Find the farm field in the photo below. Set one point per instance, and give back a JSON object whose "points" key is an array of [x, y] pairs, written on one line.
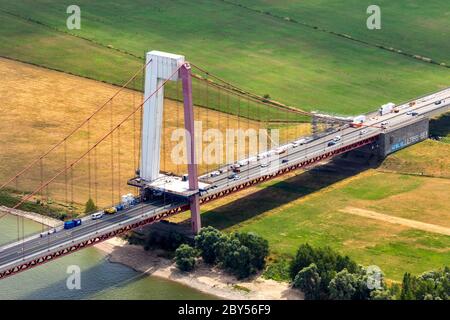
{"points": [[293, 64], [60, 102], [319, 208], [412, 26]]}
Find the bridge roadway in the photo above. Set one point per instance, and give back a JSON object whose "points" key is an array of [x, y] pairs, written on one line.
{"points": [[35, 250], [424, 106]]}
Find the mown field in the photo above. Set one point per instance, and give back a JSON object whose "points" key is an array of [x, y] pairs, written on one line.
{"points": [[413, 26], [294, 64], [316, 207]]}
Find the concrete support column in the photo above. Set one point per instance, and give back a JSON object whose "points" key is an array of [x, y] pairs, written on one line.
{"points": [[185, 75]]}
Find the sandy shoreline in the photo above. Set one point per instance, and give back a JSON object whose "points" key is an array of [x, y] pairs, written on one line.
{"points": [[204, 278]]}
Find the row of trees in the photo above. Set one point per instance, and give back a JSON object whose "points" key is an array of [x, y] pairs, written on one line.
{"points": [[242, 254], [321, 273]]}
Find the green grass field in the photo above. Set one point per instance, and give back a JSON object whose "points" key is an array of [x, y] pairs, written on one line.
{"points": [[413, 26], [306, 208], [294, 64]]}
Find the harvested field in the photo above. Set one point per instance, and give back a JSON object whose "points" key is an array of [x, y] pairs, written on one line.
{"points": [[39, 107]]}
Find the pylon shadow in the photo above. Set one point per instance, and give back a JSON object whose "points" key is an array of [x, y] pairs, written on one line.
{"points": [[277, 194], [440, 127]]}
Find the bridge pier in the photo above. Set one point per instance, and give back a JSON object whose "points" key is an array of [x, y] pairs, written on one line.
{"points": [[194, 204], [395, 139]]}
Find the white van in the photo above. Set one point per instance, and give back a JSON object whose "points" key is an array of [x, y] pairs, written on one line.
{"points": [[97, 215]]}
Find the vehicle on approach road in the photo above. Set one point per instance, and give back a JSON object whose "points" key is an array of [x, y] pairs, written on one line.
{"points": [[358, 121], [96, 215], [386, 108], [72, 224], [49, 232], [234, 176], [214, 174], [111, 210]]}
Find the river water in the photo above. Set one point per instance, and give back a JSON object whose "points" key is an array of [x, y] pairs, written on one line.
{"points": [[100, 279]]}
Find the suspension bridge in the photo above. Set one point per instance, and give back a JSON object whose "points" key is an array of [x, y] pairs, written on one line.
{"points": [[118, 150]]}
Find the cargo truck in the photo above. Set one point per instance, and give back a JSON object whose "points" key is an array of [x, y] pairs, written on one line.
{"points": [[72, 223], [386, 108], [359, 120]]}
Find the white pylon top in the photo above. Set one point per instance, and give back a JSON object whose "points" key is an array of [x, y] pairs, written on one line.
{"points": [[165, 64]]}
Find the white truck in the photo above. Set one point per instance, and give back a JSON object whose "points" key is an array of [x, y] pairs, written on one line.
{"points": [[386, 108], [358, 121]]}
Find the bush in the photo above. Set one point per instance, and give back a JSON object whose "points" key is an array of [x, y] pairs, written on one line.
{"points": [[343, 286], [170, 241], [258, 246], [240, 253], [328, 263], [432, 285], [308, 281], [90, 206], [185, 257], [235, 257], [207, 242]]}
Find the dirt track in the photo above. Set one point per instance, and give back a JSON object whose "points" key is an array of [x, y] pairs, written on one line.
{"points": [[396, 220]]}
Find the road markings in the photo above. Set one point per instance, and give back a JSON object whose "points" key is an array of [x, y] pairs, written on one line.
{"points": [[396, 220]]}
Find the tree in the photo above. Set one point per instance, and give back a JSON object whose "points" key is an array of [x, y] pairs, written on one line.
{"points": [[258, 246], [407, 292], [235, 257], [308, 281], [185, 257], [207, 242], [90, 206], [433, 285], [304, 257], [343, 286]]}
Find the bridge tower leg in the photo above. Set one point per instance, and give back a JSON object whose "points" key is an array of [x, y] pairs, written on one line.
{"points": [[185, 74], [162, 66]]}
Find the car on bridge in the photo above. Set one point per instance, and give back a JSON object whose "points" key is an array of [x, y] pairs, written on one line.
{"points": [[96, 215], [331, 143], [214, 174], [49, 232], [111, 210], [72, 224]]}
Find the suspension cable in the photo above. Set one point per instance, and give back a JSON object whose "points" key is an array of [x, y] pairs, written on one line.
{"points": [[72, 164], [74, 130]]}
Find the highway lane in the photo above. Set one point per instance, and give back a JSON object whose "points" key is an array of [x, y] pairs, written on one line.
{"points": [[300, 153]]}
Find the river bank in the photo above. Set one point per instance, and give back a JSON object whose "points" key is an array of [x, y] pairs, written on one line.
{"points": [[204, 278], [39, 218]]}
